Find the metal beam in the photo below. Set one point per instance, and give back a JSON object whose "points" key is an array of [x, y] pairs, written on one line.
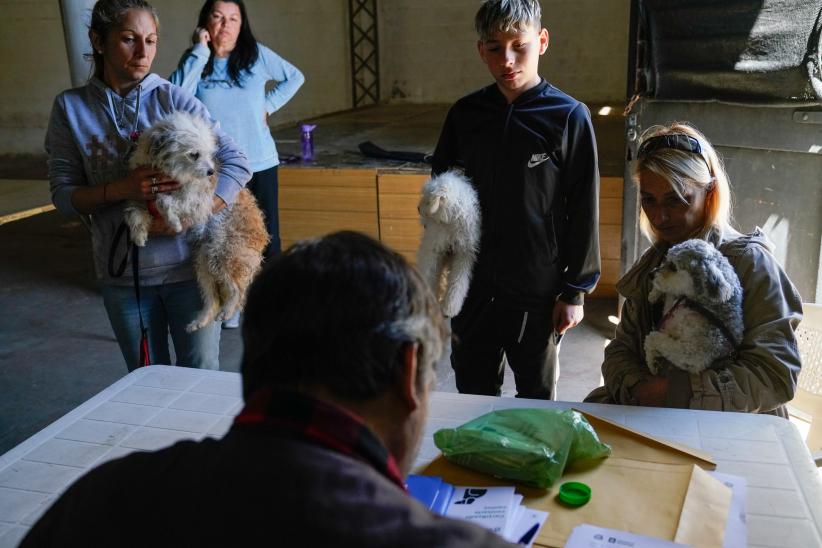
{"points": [[365, 58]]}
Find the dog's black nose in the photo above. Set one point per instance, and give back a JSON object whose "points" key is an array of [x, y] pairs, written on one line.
{"points": [[210, 172]]}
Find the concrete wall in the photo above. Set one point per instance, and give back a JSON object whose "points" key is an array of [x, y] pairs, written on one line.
{"points": [[427, 50], [35, 69], [312, 34], [435, 59]]}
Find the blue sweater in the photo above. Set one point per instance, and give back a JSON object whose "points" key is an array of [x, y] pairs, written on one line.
{"points": [[88, 142], [240, 109]]}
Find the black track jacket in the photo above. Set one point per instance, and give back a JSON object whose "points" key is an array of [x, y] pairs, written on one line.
{"points": [[534, 166]]}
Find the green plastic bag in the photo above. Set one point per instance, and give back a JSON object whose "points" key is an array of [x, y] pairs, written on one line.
{"points": [[532, 446]]}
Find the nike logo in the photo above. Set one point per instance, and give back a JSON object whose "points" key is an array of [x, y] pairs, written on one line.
{"points": [[537, 159]]}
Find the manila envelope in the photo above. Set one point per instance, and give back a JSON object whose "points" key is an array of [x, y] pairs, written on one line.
{"points": [[647, 486]]}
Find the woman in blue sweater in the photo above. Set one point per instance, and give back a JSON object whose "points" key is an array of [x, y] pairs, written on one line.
{"points": [[90, 136], [227, 69]]}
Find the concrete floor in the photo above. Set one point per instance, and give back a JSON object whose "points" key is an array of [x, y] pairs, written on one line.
{"points": [[56, 345]]}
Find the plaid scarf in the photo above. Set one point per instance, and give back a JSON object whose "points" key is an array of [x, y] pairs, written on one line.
{"points": [[301, 417]]}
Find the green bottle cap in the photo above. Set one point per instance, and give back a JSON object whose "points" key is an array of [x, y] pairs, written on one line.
{"points": [[574, 493]]}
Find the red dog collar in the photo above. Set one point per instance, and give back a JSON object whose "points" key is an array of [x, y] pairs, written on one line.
{"points": [[152, 209]]}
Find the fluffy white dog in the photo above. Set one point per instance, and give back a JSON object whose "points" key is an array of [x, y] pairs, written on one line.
{"points": [[450, 215], [182, 146], [702, 308], [228, 246]]}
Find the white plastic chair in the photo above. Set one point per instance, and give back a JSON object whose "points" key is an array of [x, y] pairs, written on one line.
{"points": [[807, 403]]}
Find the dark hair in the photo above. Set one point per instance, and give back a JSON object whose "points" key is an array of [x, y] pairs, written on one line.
{"points": [[338, 312], [108, 14], [245, 53]]}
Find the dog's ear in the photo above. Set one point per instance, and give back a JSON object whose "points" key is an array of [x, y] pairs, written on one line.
{"points": [[431, 206], [157, 141], [718, 285]]}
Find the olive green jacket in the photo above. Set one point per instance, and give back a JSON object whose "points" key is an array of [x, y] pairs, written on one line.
{"points": [[761, 378]]}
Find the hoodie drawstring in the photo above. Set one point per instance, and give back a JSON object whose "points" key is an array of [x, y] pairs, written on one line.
{"points": [[122, 117]]}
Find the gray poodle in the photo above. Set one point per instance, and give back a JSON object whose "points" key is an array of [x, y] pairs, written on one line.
{"points": [[702, 308]]}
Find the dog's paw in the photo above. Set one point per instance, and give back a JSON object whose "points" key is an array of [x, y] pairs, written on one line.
{"points": [[450, 307], [653, 356], [194, 326], [139, 237]]}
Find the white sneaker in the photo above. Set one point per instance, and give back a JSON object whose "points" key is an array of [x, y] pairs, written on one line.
{"points": [[233, 322]]}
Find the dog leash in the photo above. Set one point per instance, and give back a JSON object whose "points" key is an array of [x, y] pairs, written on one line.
{"points": [[144, 358]]}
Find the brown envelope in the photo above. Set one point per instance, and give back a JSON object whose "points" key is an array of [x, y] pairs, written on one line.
{"points": [[628, 443], [647, 486]]}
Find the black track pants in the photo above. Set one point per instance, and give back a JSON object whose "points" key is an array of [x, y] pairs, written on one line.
{"points": [[484, 331]]}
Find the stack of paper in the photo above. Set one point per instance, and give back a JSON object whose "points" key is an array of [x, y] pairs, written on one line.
{"points": [[498, 509]]}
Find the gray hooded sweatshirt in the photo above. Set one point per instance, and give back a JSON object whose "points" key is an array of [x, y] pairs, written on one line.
{"points": [[90, 135], [761, 378]]}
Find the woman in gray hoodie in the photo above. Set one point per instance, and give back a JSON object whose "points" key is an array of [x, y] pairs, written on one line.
{"points": [[684, 193], [91, 133]]}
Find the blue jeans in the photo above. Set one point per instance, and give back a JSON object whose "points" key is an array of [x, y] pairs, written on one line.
{"points": [[166, 308]]}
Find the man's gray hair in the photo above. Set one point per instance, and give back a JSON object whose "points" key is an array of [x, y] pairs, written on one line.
{"points": [[506, 16]]}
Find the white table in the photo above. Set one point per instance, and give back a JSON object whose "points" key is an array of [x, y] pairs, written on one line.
{"points": [[155, 406]]}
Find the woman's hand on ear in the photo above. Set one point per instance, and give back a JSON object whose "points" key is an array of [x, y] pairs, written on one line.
{"points": [[201, 36]]}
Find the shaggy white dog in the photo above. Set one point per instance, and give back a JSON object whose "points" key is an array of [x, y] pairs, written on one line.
{"points": [[449, 212], [182, 146], [228, 246], [702, 308]]}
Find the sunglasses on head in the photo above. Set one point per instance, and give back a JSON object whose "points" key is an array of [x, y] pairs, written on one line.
{"points": [[676, 141]]}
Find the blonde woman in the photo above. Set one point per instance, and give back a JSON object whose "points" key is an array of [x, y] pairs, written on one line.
{"points": [[684, 193]]}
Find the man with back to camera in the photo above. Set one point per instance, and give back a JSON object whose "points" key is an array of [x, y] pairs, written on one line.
{"points": [[530, 152], [340, 340]]}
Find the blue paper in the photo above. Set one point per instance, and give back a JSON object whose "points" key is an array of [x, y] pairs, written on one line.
{"points": [[432, 492]]}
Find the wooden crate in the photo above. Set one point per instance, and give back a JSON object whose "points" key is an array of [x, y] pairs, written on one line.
{"points": [[610, 234], [314, 202], [400, 227]]}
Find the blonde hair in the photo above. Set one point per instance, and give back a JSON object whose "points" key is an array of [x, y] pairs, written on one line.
{"points": [[683, 170]]}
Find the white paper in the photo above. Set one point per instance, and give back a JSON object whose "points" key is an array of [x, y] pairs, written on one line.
{"points": [[513, 515], [527, 520], [488, 507], [736, 528], [591, 536]]}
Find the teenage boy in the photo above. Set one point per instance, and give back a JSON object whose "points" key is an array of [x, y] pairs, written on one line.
{"points": [[531, 154]]}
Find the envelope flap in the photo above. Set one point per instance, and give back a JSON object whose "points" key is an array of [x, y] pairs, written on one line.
{"points": [[628, 443]]}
